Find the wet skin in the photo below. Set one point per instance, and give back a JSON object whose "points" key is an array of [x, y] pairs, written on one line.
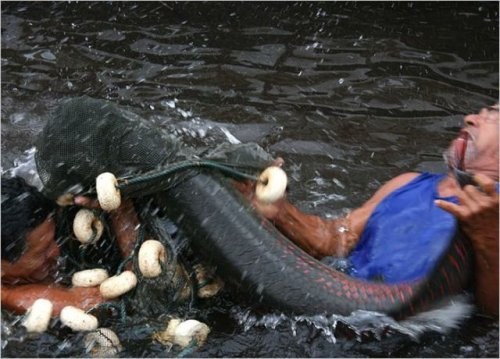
{"points": [[32, 276], [477, 211]]}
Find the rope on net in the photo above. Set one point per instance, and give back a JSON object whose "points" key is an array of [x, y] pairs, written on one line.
{"points": [[118, 306], [188, 350], [165, 172]]}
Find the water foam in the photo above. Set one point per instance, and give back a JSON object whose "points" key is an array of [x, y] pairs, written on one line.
{"points": [[25, 167], [444, 316]]}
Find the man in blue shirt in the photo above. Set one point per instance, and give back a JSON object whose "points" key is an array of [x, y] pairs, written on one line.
{"points": [[400, 232]]}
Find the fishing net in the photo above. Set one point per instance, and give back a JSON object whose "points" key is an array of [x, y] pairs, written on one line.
{"points": [[86, 137]]}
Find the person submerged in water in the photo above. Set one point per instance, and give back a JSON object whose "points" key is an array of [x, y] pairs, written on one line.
{"points": [[35, 253], [31, 249], [401, 231]]}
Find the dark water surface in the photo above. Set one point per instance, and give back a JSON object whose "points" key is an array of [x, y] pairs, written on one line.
{"points": [[349, 94]]}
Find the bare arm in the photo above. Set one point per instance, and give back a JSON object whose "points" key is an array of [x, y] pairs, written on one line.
{"points": [[318, 236], [126, 226], [20, 298], [477, 213]]}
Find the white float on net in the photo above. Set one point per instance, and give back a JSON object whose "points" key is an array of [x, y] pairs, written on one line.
{"points": [[208, 286], [151, 257], [89, 277], [37, 317], [191, 331], [102, 343], [117, 285], [183, 333], [108, 194], [76, 319], [87, 227], [271, 185]]}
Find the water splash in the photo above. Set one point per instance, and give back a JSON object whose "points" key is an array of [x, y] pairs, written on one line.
{"points": [[231, 138], [25, 167], [445, 316]]}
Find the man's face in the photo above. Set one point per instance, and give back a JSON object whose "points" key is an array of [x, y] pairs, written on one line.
{"points": [[477, 144]]}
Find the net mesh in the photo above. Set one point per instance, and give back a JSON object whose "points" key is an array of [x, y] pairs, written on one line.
{"points": [[87, 136]]}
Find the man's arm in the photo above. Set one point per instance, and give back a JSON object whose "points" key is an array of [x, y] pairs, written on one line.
{"points": [[20, 298], [477, 213], [318, 236], [125, 224]]}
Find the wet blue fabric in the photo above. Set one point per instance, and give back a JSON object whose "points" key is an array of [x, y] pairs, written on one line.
{"points": [[405, 235]]}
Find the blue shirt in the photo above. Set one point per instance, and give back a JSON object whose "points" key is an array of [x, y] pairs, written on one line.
{"points": [[406, 234]]}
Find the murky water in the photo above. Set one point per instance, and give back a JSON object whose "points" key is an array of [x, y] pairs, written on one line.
{"points": [[349, 94]]}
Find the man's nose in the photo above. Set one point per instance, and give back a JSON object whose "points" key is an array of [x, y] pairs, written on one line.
{"points": [[471, 120]]}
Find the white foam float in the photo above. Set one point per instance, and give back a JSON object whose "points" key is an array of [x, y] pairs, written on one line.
{"points": [[271, 185], [117, 285], [151, 256], [183, 333], [207, 286], [190, 331], [76, 319], [84, 225], [108, 194], [102, 343], [89, 277], [37, 317]]}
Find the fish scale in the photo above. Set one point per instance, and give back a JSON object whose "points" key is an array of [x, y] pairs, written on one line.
{"points": [[252, 255]]}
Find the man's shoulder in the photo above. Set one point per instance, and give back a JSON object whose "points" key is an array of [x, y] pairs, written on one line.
{"points": [[402, 179], [392, 185]]}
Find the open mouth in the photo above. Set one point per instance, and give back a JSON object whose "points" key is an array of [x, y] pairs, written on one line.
{"points": [[460, 146], [457, 162]]}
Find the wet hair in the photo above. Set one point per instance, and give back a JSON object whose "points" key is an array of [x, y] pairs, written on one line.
{"points": [[23, 208]]}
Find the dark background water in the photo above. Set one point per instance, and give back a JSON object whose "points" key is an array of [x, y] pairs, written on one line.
{"points": [[350, 94]]}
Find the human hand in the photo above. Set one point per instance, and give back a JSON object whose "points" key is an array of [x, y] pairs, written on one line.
{"points": [[93, 203], [477, 210], [247, 189], [20, 298], [88, 202], [267, 210], [278, 162]]}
